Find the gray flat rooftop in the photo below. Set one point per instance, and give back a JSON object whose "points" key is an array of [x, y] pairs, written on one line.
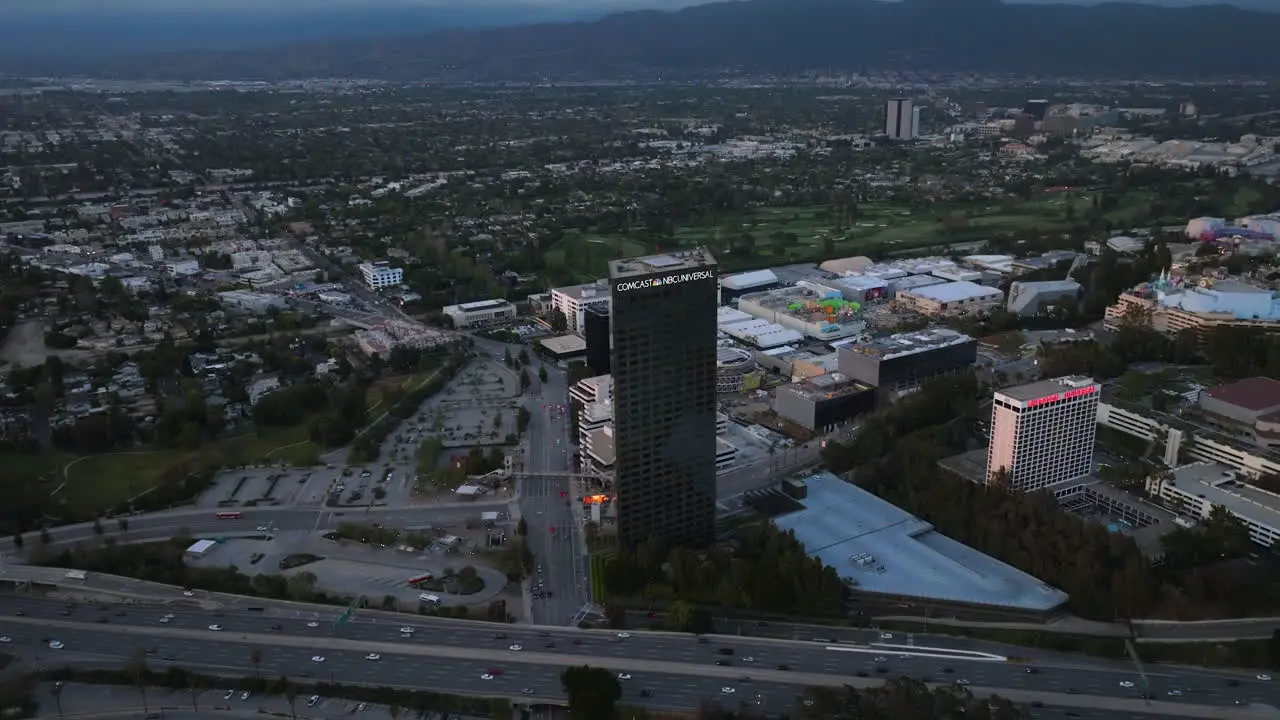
{"points": [[910, 342], [1219, 485], [884, 549], [667, 262], [1043, 388]]}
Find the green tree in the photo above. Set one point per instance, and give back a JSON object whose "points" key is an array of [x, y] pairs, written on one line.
{"points": [[616, 615], [523, 357], [122, 525], [592, 692], [18, 541], [542, 373], [506, 357], [525, 380], [522, 527], [559, 322]]}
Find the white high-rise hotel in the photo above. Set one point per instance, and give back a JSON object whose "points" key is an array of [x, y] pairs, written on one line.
{"points": [[1042, 433]]}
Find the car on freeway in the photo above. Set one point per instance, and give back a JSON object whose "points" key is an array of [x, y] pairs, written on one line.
{"points": [[515, 648], [6, 639], [313, 700], [1126, 683], [961, 681], [373, 656], [1263, 676], [215, 628], [728, 690], [624, 635], [407, 629], [486, 676], [880, 659], [1175, 692], [229, 694], [55, 645], [527, 691], [748, 659], [244, 695], [624, 676], [317, 658], [886, 636], [312, 624]]}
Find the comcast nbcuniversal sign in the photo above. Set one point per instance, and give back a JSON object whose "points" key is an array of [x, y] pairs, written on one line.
{"points": [[664, 280]]}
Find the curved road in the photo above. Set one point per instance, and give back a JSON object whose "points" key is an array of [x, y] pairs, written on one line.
{"points": [[679, 669]]}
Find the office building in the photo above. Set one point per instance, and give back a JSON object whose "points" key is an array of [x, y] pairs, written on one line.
{"points": [[380, 275], [1042, 433], [951, 299], [902, 363], [572, 302], [901, 119], [479, 313], [823, 402], [663, 324], [595, 330], [1033, 298]]}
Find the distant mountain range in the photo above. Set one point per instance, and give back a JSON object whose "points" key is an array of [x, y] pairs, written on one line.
{"points": [[767, 36]]}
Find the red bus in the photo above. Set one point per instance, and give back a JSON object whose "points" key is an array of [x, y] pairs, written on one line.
{"points": [[416, 581], [229, 515]]}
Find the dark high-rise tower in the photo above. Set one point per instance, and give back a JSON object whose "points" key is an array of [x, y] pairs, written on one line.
{"points": [[595, 330], [663, 323]]}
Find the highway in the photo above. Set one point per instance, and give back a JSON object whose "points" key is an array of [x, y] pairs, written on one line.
{"points": [[679, 669]]}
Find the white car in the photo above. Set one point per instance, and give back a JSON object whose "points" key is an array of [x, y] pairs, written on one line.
{"points": [[55, 645], [1126, 683], [263, 528], [1263, 676], [624, 676], [165, 621], [962, 681], [406, 629], [727, 690], [1175, 692], [6, 639], [317, 658], [748, 659], [373, 656], [881, 659], [244, 695], [624, 635], [886, 636], [216, 628], [230, 694], [486, 676], [516, 648], [187, 593], [313, 623], [169, 616]]}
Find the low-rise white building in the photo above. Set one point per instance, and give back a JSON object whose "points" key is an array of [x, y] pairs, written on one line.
{"points": [[481, 312], [182, 268], [381, 275], [1195, 489], [573, 301]]}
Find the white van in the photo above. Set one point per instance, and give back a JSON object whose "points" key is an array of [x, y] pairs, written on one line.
{"points": [[433, 600]]}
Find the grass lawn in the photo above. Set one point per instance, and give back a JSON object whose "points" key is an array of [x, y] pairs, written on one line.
{"points": [[377, 392], [599, 565], [588, 256], [95, 482]]}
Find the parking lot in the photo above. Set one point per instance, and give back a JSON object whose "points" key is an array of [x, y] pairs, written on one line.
{"points": [[352, 568], [479, 407], [268, 485]]}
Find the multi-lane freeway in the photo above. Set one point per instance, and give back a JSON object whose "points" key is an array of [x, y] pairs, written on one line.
{"points": [[678, 670]]}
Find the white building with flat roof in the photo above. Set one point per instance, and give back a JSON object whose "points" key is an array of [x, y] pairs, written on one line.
{"points": [[481, 312], [1042, 433], [381, 275], [573, 301], [951, 298], [1196, 488]]}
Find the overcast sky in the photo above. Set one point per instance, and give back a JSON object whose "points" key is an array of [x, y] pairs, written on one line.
{"points": [[244, 6]]}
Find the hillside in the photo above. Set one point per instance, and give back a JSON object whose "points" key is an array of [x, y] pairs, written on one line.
{"points": [[776, 36]]}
